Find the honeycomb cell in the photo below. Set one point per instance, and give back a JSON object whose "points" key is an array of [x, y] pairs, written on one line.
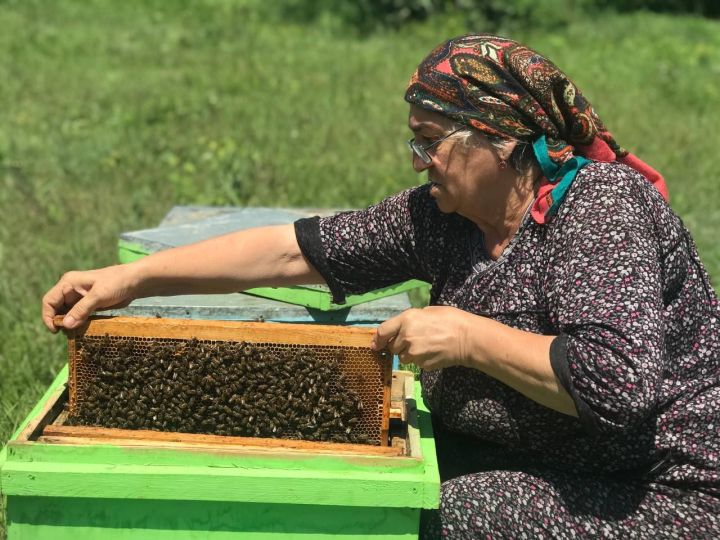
{"points": [[241, 388]]}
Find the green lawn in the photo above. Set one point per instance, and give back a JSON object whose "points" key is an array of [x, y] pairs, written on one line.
{"points": [[113, 112]]}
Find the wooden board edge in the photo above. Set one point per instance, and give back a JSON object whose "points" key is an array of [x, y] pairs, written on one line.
{"points": [[397, 395], [246, 450], [147, 437], [287, 333], [52, 408], [413, 427], [72, 364], [220, 449]]}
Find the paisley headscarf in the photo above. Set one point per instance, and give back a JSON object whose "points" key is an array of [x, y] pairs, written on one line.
{"points": [[507, 90]]}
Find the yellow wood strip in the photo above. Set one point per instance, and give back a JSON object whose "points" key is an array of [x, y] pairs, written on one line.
{"points": [[293, 334], [150, 438], [338, 449], [47, 414]]}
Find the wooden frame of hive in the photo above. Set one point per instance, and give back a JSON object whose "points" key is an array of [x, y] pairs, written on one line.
{"points": [[353, 339]]}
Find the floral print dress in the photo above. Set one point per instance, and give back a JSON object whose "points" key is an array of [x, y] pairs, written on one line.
{"points": [[616, 276]]}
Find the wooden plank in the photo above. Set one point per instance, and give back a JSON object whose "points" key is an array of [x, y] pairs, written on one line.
{"points": [[107, 435], [397, 389], [333, 487], [409, 384], [385, 425], [72, 365], [61, 418], [64, 518], [245, 307], [290, 334], [227, 449], [399, 393], [49, 411], [413, 429], [59, 381]]}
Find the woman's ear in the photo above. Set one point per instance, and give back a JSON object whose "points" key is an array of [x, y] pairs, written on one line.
{"points": [[505, 149]]}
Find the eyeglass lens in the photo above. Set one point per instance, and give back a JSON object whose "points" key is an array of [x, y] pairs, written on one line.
{"points": [[419, 151]]}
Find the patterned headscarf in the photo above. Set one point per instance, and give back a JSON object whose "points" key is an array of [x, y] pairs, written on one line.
{"points": [[507, 90]]}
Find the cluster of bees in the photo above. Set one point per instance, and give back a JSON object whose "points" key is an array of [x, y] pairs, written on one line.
{"points": [[220, 388]]}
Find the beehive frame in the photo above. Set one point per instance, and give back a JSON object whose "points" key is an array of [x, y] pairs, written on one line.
{"points": [[374, 371]]}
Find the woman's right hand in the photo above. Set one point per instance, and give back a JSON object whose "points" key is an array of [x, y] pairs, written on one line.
{"points": [[237, 261], [79, 293]]}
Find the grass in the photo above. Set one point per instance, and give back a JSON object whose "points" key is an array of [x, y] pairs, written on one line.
{"points": [[114, 112]]}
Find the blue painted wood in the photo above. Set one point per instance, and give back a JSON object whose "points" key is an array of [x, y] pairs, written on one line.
{"points": [[179, 215], [186, 225], [244, 307]]}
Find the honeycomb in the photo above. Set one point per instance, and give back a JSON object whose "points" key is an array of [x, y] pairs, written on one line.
{"points": [[358, 374]]}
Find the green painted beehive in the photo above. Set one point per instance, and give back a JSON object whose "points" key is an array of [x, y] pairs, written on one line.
{"points": [[136, 489]]}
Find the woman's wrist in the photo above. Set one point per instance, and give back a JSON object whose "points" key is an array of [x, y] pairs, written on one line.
{"points": [[488, 343], [139, 278], [471, 349]]}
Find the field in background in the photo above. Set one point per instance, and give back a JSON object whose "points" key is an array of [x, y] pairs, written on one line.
{"points": [[113, 112]]}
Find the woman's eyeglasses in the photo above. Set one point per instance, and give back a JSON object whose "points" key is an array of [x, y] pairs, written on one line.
{"points": [[421, 151]]}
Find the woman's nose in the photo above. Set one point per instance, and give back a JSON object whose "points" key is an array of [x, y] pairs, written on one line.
{"points": [[418, 164]]}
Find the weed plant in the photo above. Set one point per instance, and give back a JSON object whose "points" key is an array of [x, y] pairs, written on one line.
{"points": [[113, 112]]}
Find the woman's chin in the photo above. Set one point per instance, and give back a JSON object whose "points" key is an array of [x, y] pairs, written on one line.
{"points": [[438, 193]]}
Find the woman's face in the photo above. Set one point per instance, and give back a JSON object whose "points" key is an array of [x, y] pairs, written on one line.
{"points": [[462, 175]]}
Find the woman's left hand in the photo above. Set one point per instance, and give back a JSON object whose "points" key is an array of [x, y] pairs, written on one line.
{"points": [[431, 338]]}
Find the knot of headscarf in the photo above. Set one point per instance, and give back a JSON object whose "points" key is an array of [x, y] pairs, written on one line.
{"points": [[507, 90]]}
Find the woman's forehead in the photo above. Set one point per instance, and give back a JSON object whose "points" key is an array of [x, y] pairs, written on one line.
{"points": [[422, 118]]}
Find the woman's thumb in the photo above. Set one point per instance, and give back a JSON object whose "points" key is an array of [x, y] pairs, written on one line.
{"points": [[80, 311]]}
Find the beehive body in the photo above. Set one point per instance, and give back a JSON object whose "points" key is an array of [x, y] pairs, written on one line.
{"points": [[59, 490], [361, 373]]}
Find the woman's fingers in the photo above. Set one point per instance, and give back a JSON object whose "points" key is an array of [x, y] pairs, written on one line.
{"points": [[79, 294], [431, 338], [387, 332], [57, 301], [50, 308], [80, 312], [72, 289]]}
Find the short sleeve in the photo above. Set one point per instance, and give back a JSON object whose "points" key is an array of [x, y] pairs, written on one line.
{"points": [[393, 241], [605, 297]]}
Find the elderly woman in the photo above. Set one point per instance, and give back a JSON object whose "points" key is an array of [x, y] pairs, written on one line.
{"points": [[571, 354]]}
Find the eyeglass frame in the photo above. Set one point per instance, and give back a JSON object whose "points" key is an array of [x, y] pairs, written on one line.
{"points": [[421, 151]]}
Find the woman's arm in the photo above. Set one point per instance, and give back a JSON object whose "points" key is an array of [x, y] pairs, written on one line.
{"points": [[519, 359], [438, 336], [266, 256]]}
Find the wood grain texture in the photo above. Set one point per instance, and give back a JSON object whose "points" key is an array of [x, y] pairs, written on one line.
{"points": [[98, 435], [257, 332], [50, 409]]}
